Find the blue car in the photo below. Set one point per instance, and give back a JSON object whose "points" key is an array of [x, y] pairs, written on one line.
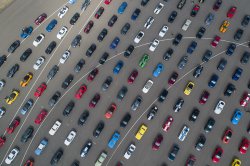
{"points": [[51, 25], [114, 43], [26, 32], [237, 74], [159, 68], [135, 14], [118, 67], [213, 80], [115, 137], [191, 47], [122, 7], [236, 117], [41, 147]]}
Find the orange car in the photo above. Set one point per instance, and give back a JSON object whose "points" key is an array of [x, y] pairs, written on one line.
{"points": [[27, 78], [224, 26]]}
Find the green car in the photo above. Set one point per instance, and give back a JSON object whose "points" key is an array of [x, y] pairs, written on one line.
{"points": [[144, 60]]}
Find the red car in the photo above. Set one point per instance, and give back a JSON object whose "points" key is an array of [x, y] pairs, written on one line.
{"points": [[172, 78], [168, 123], [81, 91], [40, 19], [216, 41], [157, 143], [217, 154], [195, 10], [99, 12], [40, 117], [244, 146], [227, 136], [190, 161], [2, 141], [88, 26], [29, 162], [13, 125], [39, 91], [107, 2], [204, 97], [94, 100], [110, 111], [132, 76], [217, 5], [231, 12], [245, 99], [92, 74]]}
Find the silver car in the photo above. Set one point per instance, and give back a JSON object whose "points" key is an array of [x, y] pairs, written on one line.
{"points": [[183, 61]]}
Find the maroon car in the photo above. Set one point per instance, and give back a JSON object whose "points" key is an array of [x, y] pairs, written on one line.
{"points": [[94, 100], [204, 97], [2, 141], [157, 143], [88, 26], [190, 161], [40, 19], [132, 76], [172, 79], [92, 74], [99, 12], [13, 125]]}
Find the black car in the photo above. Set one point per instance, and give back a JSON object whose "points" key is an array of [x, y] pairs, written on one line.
{"points": [[173, 153], [83, 118], [177, 39], [209, 125], [207, 56], [200, 142], [238, 34], [135, 14], [230, 49], [27, 134], [112, 20], [144, 2], [103, 58], [56, 157], [102, 34], [76, 41], [75, 163], [229, 89], [86, 148], [152, 112], [14, 46], [122, 92], [245, 57], [50, 47], [97, 131], [181, 4], [74, 18], [178, 105], [194, 115], [79, 65], [200, 32], [245, 21], [13, 71], [91, 50], [136, 103], [172, 16], [197, 71], [69, 107], [125, 28], [125, 120], [67, 81], [168, 54], [107, 83], [3, 58], [53, 72], [25, 54], [129, 51], [53, 100], [191, 47], [222, 64], [162, 95]]}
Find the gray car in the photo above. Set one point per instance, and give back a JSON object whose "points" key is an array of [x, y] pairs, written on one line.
{"points": [[27, 106], [67, 81], [27, 134], [207, 56], [14, 46], [209, 19], [13, 71], [107, 83], [122, 92], [183, 61], [69, 107], [125, 29], [76, 41], [53, 100], [197, 71], [136, 103], [53, 72], [79, 65], [222, 64]]}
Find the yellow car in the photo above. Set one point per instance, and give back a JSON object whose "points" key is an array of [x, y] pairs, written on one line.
{"points": [[12, 97], [26, 79], [141, 132], [189, 88], [236, 162], [224, 26]]}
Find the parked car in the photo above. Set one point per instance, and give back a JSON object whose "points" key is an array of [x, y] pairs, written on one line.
{"points": [[173, 78], [88, 27], [27, 106], [197, 71], [42, 145], [181, 4], [186, 25], [173, 152], [125, 28], [62, 32], [144, 60], [215, 41], [53, 100], [142, 130], [40, 61], [162, 96], [111, 110], [183, 133], [106, 84], [56, 157], [39, 91], [230, 89], [237, 74], [230, 49], [25, 55], [245, 99], [195, 10], [94, 100], [166, 126], [114, 139], [158, 8], [149, 22], [69, 107], [91, 50], [97, 131], [27, 134], [122, 7], [245, 57], [70, 137], [200, 142], [172, 16], [53, 71], [114, 43], [152, 112], [12, 97], [190, 161], [189, 88], [13, 125], [103, 58], [14, 46], [224, 26], [99, 12], [136, 103], [217, 5], [40, 18], [79, 65], [63, 11], [131, 148], [204, 97], [138, 37], [177, 39], [236, 116], [191, 47], [102, 34], [76, 41], [217, 154], [194, 115], [50, 47], [219, 107], [132, 76], [118, 67], [41, 116], [12, 155], [159, 68], [51, 25], [122, 93], [126, 118], [244, 145], [147, 86], [102, 156], [65, 57], [245, 21], [112, 20], [2, 112], [86, 148], [80, 92], [26, 32], [135, 14], [168, 54], [209, 19], [12, 71], [231, 12], [157, 142], [55, 127], [26, 79], [129, 51], [83, 117], [222, 64], [3, 58], [209, 125], [74, 18], [178, 105], [213, 80], [227, 135], [144, 2], [182, 62], [238, 34]]}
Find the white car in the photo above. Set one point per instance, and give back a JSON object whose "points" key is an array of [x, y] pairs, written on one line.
{"points": [[62, 32], [154, 45], [65, 56], [149, 22], [101, 159], [39, 63], [70, 137], [186, 25], [12, 155], [2, 112], [163, 31], [63, 11], [219, 107], [55, 127], [129, 151], [147, 86], [38, 40], [2, 84], [138, 37], [183, 133], [158, 8]]}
